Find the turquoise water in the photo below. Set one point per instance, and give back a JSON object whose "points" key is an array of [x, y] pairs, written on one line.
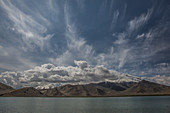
{"points": [[148, 104]]}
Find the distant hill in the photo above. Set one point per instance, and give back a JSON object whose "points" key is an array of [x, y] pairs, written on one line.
{"points": [[24, 92], [147, 88], [79, 90], [109, 89], [117, 86], [5, 88], [94, 89]]}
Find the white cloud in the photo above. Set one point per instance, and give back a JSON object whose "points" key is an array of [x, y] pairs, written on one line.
{"points": [[33, 26], [81, 64], [140, 36], [48, 75], [114, 19], [32, 31], [122, 55], [162, 68], [27, 33], [76, 48], [156, 39], [121, 39], [133, 26], [138, 22], [162, 79], [12, 59]]}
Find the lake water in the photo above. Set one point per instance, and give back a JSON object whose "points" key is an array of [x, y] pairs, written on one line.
{"points": [[148, 104]]}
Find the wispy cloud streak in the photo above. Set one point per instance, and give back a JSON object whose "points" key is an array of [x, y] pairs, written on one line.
{"points": [[31, 30], [77, 48]]}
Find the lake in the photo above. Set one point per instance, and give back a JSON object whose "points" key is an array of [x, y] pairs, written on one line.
{"points": [[147, 104]]}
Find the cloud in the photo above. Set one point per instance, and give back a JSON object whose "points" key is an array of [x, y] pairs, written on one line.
{"points": [[3, 52], [157, 38], [12, 59], [122, 55], [140, 36], [133, 27], [162, 79], [76, 47], [24, 34], [61, 32], [81, 64], [152, 44], [161, 68], [135, 24], [114, 19], [48, 75], [144, 43], [32, 31], [121, 38]]}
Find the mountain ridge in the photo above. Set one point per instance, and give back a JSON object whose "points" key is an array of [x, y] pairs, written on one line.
{"points": [[5, 88], [102, 89]]}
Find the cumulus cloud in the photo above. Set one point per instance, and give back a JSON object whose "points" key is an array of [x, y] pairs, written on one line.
{"points": [[48, 75], [81, 64]]}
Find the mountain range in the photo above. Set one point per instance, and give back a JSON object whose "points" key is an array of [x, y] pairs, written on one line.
{"points": [[140, 88]]}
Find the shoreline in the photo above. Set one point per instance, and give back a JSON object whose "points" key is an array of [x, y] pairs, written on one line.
{"points": [[89, 96]]}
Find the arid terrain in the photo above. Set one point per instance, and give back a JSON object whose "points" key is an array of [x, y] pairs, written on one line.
{"points": [[105, 89]]}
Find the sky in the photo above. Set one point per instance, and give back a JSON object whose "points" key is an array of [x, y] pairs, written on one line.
{"points": [[124, 36]]}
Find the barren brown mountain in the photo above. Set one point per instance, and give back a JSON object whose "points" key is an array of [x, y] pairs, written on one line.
{"points": [[94, 89], [5, 88], [80, 90], [148, 88], [24, 92]]}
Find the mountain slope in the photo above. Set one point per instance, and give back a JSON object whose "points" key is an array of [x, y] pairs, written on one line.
{"points": [[24, 92], [147, 88], [117, 86], [80, 90], [5, 89]]}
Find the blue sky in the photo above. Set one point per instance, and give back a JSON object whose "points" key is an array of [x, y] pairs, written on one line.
{"points": [[129, 36]]}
